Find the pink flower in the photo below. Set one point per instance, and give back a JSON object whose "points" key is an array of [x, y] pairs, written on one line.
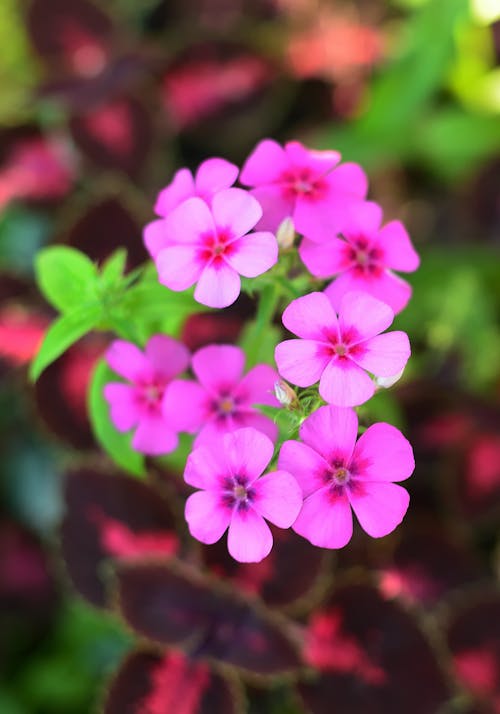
{"points": [[223, 399], [139, 403], [304, 184], [210, 247], [337, 350], [336, 473], [213, 175], [364, 258], [234, 496]]}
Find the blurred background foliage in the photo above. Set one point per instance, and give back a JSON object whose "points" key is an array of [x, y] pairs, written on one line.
{"points": [[99, 103]]}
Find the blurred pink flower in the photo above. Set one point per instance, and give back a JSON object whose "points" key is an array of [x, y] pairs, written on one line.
{"points": [[304, 184], [363, 257], [223, 399], [232, 494], [213, 175], [211, 246], [338, 351], [336, 473], [139, 403]]}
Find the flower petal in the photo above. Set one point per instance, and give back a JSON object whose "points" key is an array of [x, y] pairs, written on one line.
{"points": [[206, 516], [219, 367], [265, 164], [253, 254], [236, 210], [319, 161], [178, 267], [364, 220], [311, 317], [391, 289], [169, 357], [127, 360], [325, 519], [218, 286], [258, 421], [344, 384], [180, 188], [205, 466], [248, 452], [249, 539], [398, 250], [154, 436], [384, 355], [257, 387], [349, 182], [213, 175], [154, 237], [305, 464], [185, 405], [379, 507], [124, 412], [276, 206], [332, 432], [300, 361], [363, 315], [278, 498], [188, 221], [324, 260], [383, 454]]}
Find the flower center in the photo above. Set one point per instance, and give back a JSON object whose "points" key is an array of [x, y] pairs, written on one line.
{"points": [[303, 182], [341, 350], [226, 406], [236, 493], [240, 492], [341, 476], [367, 259]]}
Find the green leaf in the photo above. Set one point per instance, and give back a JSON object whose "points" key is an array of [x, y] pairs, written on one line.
{"points": [[115, 443], [64, 332], [66, 277], [114, 267]]}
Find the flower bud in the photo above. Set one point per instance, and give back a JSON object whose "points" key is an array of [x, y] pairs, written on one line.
{"points": [[286, 233], [386, 382], [285, 394]]}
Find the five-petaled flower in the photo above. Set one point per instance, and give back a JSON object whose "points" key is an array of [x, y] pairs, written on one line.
{"points": [[364, 258], [222, 399], [336, 473], [337, 350], [139, 403], [212, 246], [234, 494], [304, 184], [213, 175]]}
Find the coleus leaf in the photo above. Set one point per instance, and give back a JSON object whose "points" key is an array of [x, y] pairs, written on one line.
{"points": [[174, 606], [149, 683], [66, 277], [368, 651], [284, 580], [110, 516], [115, 443]]}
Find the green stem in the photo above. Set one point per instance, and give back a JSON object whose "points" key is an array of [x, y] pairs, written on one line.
{"points": [[266, 308]]}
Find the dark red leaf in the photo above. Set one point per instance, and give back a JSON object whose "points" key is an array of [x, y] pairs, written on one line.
{"points": [[61, 392], [115, 135], [372, 656], [153, 684], [175, 607], [426, 565], [106, 226], [111, 516], [474, 641], [284, 577]]}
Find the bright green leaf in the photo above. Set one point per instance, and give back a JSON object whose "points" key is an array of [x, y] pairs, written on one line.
{"points": [[115, 443], [114, 267], [66, 277], [64, 332]]}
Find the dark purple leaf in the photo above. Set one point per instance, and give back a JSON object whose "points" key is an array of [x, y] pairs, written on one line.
{"points": [[372, 658], [154, 684], [111, 516], [115, 135], [474, 641], [174, 606]]}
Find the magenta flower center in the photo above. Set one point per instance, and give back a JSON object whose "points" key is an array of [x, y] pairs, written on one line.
{"points": [[226, 406], [150, 393], [303, 182], [235, 492], [365, 258], [214, 246]]}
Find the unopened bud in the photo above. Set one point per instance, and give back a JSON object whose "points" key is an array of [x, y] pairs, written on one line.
{"points": [[285, 394], [386, 382], [286, 233]]}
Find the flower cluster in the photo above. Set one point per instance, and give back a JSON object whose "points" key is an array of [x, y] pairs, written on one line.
{"points": [[209, 233]]}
